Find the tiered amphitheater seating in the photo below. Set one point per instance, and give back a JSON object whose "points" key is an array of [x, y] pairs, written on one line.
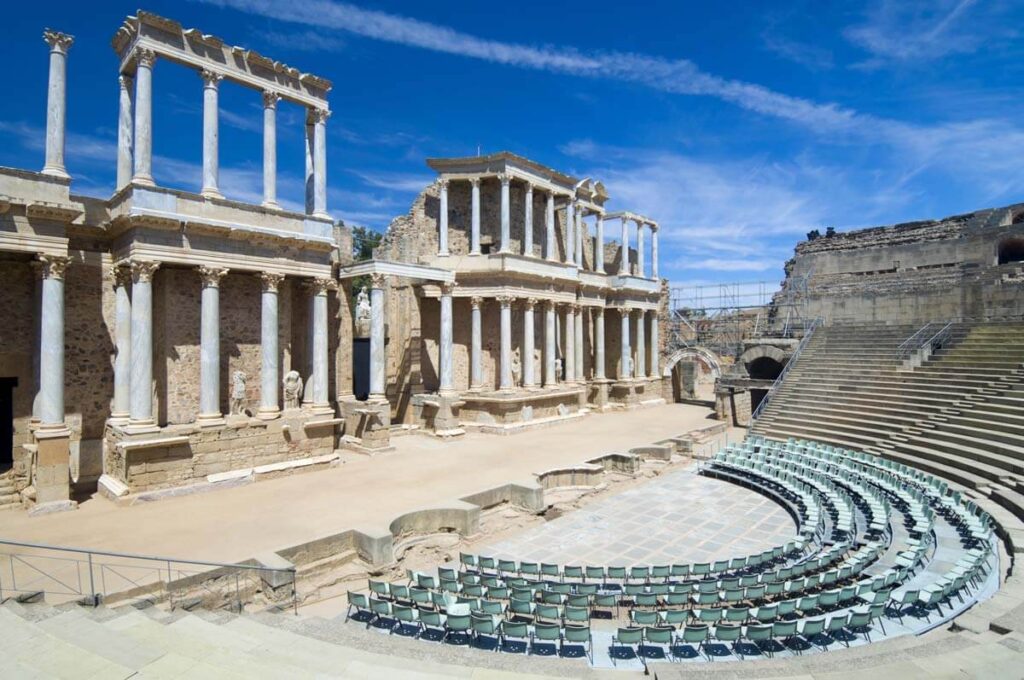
{"points": [[959, 415], [868, 532]]}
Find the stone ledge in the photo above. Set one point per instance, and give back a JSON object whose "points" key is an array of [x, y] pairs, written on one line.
{"points": [[513, 428], [159, 442]]}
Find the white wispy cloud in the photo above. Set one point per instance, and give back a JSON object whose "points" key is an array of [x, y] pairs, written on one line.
{"points": [[916, 30]]}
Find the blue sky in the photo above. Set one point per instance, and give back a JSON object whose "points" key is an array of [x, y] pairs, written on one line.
{"points": [[739, 126]]}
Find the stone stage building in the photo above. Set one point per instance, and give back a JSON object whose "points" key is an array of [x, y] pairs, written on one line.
{"points": [[164, 338]]}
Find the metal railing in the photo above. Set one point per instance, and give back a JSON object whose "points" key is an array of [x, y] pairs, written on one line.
{"points": [[926, 338], [914, 342], [808, 332], [66, 574], [936, 341]]}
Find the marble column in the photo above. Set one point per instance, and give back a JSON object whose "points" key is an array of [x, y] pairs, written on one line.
{"points": [[270, 370], [56, 104], [143, 138], [476, 350], [527, 359], [505, 360], [141, 407], [123, 341], [640, 266], [640, 366], [570, 235], [308, 152], [550, 249], [211, 135], [442, 217], [570, 343], [474, 233], [51, 345], [209, 347], [377, 338], [624, 249], [506, 218], [270, 100], [599, 245], [320, 362], [125, 114], [598, 313], [447, 382], [654, 252], [579, 238], [320, 117], [653, 368], [528, 221], [624, 372], [550, 378], [578, 348]]}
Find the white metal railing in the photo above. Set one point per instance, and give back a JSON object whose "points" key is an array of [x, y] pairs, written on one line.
{"points": [[914, 342], [808, 332]]}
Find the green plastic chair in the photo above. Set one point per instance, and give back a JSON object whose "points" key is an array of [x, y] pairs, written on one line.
{"points": [[639, 574], [550, 570], [578, 601], [577, 635], [729, 635], [586, 588], [736, 615], [675, 617], [381, 589], [606, 601], [616, 573], [484, 625], [357, 601], [572, 572], [514, 630], [529, 569], [837, 626], [546, 613], [519, 609], [643, 618], [859, 624], [658, 635], [695, 635], [545, 632], [405, 615], [457, 623], [595, 574], [784, 630], [645, 600], [576, 614], [812, 629], [467, 560], [758, 634], [381, 609], [708, 615], [429, 619], [492, 608], [628, 637]]}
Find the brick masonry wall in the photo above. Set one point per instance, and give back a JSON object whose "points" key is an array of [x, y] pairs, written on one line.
{"points": [[17, 352]]}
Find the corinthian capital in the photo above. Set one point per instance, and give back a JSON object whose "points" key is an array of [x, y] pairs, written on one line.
{"points": [[271, 281], [58, 42], [52, 266], [145, 57], [270, 99], [377, 280], [448, 287], [122, 276], [210, 78], [143, 270], [319, 115], [211, 276], [504, 178], [505, 300]]}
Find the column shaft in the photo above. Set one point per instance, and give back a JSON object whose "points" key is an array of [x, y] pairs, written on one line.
{"points": [[442, 219], [308, 149], [528, 222], [211, 162], [377, 336], [527, 359], [624, 359], [578, 337], [641, 348], [475, 374], [598, 343], [123, 341], [51, 350], [270, 100], [56, 105], [549, 344], [570, 344], [141, 409], [209, 345], [320, 363], [654, 253], [445, 349], [505, 360], [550, 249], [474, 234], [270, 371], [506, 218], [654, 369], [143, 157], [125, 114], [320, 163]]}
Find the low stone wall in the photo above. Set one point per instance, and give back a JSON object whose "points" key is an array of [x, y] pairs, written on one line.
{"points": [[625, 463], [180, 455], [529, 496], [582, 475], [496, 412]]}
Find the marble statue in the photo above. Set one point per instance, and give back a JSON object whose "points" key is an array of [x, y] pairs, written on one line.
{"points": [[238, 393], [362, 305], [517, 368], [558, 369], [292, 389]]}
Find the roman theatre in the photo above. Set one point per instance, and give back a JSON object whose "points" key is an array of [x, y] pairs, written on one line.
{"points": [[235, 441]]}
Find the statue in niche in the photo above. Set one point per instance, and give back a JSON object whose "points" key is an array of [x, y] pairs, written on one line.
{"points": [[517, 368], [292, 389], [362, 305], [238, 393], [629, 367], [558, 370]]}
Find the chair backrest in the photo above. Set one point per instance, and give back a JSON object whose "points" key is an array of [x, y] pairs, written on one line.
{"points": [[837, 622], [726, 632], [707, 598], [617, 573], [646, 600], [572, 633], [358, 600], [498, 592], [514, 629], [547, 611], [380, 607], [492, 607], [708, 615], [859, 619], [429, 617], [576, 613], [697, 633], [467, 559], [676, 617], [578, 601], [757, 632], [484, 624], [813, 626], [787, 607], [659, 635], [783, 628], [529, 568], [680, 570], [733, 614], [605, 600], [661, 571], [507, 566], [595, 573], [572, 572], [547, 631], [458, 622], [486, 562], [642, 618], [630, 636], [639, 573], [380, 588]]}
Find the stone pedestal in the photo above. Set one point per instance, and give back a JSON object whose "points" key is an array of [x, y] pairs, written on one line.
{"points": [[367, 425], [600, 390], [439, 413], [52, 477]]}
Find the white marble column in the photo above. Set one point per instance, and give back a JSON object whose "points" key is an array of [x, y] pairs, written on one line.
{"points": [[570, 343], [550, 249], [640, 266], [653, 368], [474, 224], [505, 360], [141, 408], [578, 338], [309, 143], [209, 347], [270, 100], [626, 355], [506, 217], [56, 104], [640, 366], [320, 362], [320, 117], [211, 135], [624, 257], [570, 229], [528, 222], [550, 378], [143, 156], [598, 313], [121, 410], [527, 359], [125, 115], [579, 237], [270, 369], [599, 245], [377, 338], [476, 349], [447, 382], [442, 217], [654, 252], [51, 343]]}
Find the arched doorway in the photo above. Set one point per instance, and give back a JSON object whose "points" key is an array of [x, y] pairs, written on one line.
{"points": [[1011, 250], [692, 372], [765, 363]]}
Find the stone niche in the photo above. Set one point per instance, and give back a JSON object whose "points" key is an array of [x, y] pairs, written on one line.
{"points": [[186, 454]]}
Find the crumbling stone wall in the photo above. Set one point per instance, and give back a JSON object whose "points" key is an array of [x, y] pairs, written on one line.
{"points": [[18, 347]]}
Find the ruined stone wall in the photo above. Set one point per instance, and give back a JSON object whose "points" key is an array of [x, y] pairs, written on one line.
{"points": [[18, 349]]}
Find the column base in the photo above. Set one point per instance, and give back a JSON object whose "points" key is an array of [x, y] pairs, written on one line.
{"points": [[210, 420], [476, 254], [210, 192], [119, 419], [322, 409], [55, 171], [271, 205], [268, 413], [144, 180], [322, 215], [141, 426]]}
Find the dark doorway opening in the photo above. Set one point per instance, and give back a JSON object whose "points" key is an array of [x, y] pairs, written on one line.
{"points": [[361, 368], [7, 386], [764, 368], [1011, 250], [756, 397]]}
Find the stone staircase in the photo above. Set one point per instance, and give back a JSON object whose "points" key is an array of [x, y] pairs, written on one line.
{"points": [[9, 496], [959, 415]]}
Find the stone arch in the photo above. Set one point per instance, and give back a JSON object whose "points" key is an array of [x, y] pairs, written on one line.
{"points": [[1011, 249], [684, 383], [699, 354], [764, 362]]}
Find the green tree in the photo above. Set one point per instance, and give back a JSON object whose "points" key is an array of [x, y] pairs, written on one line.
{"points": [[364, 240]]}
